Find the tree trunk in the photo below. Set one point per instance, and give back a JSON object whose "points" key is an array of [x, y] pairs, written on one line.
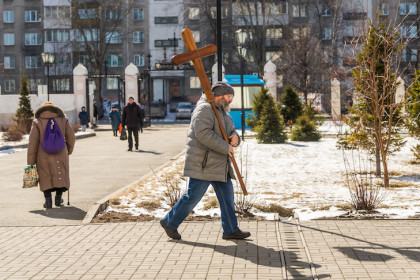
{"points": [[378, 161], [386, 174]]}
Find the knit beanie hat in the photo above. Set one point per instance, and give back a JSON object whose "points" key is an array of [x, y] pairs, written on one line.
{"points": [[221, 88]]}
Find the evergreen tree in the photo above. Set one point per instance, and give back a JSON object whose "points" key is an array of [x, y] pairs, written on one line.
{"points": [[24, 113], [257, 108], [292, 106], [305, 130], [414, 111], [270, 128], [375, 120]]}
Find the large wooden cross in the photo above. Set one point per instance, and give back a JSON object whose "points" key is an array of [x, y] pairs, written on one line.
{"points": [[195, 56]]}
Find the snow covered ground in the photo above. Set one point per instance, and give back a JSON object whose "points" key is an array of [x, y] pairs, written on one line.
{"points": [[308, 177]]}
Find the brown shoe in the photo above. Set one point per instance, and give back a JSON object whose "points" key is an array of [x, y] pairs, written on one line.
{"points": [[172, 233], [237, 235]]}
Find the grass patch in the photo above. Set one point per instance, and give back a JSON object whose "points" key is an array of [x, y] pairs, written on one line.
{"points": [[345, 206], [150, 205], [212, 202], [274, 208], [115, 201], [269, 193]]}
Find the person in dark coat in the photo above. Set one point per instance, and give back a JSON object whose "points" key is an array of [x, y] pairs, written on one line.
{"points": [[84, 118], [53, 169], [133, 119], [115, 119]]}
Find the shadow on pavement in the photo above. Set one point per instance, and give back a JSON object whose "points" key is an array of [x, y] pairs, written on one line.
{"points": [[148, 152], [63, 212], [364, 255], [296, 145], [261, 256]]}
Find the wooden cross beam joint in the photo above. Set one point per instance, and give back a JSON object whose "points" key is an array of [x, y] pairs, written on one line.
{"points": [[195, 56]]}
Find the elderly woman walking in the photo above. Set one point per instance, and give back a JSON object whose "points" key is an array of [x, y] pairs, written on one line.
{"points": [[51, 141]]}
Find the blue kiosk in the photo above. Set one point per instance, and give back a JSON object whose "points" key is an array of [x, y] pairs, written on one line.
{"points": [[252, 85]]}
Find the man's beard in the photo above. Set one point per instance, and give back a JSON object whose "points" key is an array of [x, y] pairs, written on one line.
{"points": [[225, 105]]}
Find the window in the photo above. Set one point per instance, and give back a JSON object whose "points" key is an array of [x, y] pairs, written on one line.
{"points": [[298, 32], [32, 16], [273, 56], [166, 43], [9, 39], [61, 84], [195, 82], [32, 62], [166, 20], [409, 32], [194, 13], [86, 13], [280, 80], [63, 59], [89, 34], [225, 12], [274, 33], [114, 60], [84, 59], [138, 14], [9, 85], [33, 84], [299, 10], [33, 39], [57, 35], [8, 16], [326, 33], [277, 9], [139, 59], [56, 12], [409, 55], [9, 62], [383, 9], [113, 38], [196, 36], [408, 9], [325, 10], [138, 37], [112, 83], [114, 14]]}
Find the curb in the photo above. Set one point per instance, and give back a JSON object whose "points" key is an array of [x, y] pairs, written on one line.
{"points": [[8, 147], [102, 204]]}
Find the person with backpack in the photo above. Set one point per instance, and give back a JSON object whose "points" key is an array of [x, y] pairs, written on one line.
{"points": [[51, 141]]}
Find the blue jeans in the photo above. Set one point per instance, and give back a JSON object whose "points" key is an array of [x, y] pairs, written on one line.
{"points": [[196, 189]]}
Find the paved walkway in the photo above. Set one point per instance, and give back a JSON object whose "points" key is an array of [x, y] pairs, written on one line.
{"points": [[99, 166], [277, 250]]}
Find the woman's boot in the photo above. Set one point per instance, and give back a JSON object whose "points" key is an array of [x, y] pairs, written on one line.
{"points": [[58, 200], [48, 202]]}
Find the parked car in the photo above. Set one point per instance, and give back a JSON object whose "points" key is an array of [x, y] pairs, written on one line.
{"points": [[157, 110], [173, 103], [184, 110]]}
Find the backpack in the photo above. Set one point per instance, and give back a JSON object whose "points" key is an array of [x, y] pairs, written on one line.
{"points": [[53, 138]]}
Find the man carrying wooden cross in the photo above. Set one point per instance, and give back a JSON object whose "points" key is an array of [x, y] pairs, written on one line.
{"points": [[207, 162]]}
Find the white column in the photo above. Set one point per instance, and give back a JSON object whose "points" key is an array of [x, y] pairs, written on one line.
{"points": [[400, 93], [335, 99], [270, 78], [131, 83], [80, 75], [214, 73]]}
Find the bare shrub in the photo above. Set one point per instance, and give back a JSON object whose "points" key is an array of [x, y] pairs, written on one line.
{"points": [[275, 208], [243, 205], [212, 202], [365, 194], [76, 127], [149, 204], [4, 127], [13, 134]]}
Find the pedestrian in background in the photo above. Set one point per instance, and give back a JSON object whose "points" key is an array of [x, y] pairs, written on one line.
{"points": [[132, 118], [95, 115], [53, 168], [84, 118], [115, 119]]}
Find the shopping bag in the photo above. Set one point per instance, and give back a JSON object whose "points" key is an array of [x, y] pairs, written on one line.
{"points": [[123, 135], [30, 177], [120, 128]]}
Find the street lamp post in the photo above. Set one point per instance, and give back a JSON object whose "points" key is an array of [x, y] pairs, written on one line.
{"points": [[241, 37], [48, 59], [149, 89]]}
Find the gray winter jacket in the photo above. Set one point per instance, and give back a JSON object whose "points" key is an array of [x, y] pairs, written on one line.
{"points": [[207, 156]]}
